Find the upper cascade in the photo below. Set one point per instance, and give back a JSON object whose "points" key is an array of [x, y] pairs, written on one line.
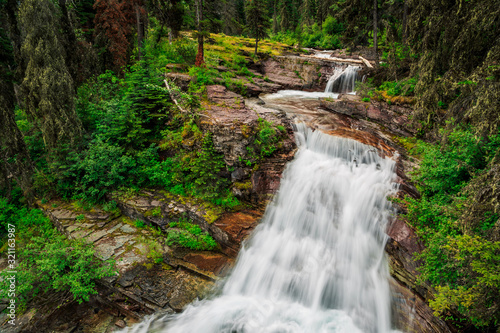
{"points": [[343, 80]]}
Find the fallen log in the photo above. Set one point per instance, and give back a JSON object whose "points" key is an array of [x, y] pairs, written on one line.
{"points": [[366, 62], [335, 59]]}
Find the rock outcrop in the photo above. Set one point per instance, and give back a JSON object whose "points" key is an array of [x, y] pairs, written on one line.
{"points": [[394, 118], [234, 126]]}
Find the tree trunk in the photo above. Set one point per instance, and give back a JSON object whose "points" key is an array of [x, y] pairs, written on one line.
{"points": [[375, 26], [199, 17], [256, 45], [405, 18], [275, 19], [11, 8], [69, 42], [140, 32]]}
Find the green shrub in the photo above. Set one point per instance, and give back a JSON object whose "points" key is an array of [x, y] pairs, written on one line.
{"points": [[49, 261], [459, 260], [204, 76], [332, 27], [139, 224], [404, 87], [60, 265], [267, 138], [190, 236], [187, 51]]}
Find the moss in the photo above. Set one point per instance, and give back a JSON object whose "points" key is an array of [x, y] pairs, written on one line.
{"points": [[243, 185], [229, 48], [166, 267], [246, 130], [156, 212], [409, 145]]}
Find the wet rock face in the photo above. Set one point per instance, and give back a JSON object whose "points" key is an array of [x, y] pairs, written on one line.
{"points": [[159, 208], [234, 125], [238, 227], [299, 73], [151, 277], [394, 118]]}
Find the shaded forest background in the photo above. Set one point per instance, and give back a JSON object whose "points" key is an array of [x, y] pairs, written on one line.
{"points": [[84, 111]]}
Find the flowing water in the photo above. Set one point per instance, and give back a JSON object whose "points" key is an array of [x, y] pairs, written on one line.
{"points": [[316, 262], [342, 80]]}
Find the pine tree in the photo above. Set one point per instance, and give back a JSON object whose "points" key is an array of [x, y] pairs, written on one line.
{"points": [[257, 20], [15, 162], [47, 87], [114, 27], [169, 13]]}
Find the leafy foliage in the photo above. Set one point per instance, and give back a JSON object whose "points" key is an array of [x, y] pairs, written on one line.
{"points": [[189, 235], [47, 260], [325, 36], [461, 255], [268, 137]]}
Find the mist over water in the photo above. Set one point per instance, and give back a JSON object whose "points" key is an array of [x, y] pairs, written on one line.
{"points": [[316, 262]]}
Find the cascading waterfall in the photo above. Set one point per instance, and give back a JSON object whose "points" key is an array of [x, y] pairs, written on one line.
{"points": [[316, 263], [342, 81]]}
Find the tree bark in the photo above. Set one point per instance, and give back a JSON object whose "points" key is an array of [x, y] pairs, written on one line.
{"points": [[256, 45], [140, 32], [405, 19], [275, 19], [199, 17], [375, 27], [11, 8]]}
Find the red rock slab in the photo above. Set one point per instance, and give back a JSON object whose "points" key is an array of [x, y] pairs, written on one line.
{"points": [[237, 226], [227, 107], [404, 235], [216, 263]]}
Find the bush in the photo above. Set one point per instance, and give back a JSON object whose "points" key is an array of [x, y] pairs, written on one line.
{"points": [[59, 264], [332, 27], [49, 261], [404, 87], [461, 257], [190, 236], [268, 138]]}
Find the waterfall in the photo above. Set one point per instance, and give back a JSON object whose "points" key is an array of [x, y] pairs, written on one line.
{"points": [[316, 262], [342, 81]]}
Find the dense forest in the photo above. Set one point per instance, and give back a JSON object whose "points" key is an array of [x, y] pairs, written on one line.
{"points": [[85, 111]]}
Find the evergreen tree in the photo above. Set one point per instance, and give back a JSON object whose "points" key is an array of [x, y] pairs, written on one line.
{"points": [[375, 30], [15, 162], [47, 87], [169, 13], [257, 20], [231, 26], [114, 28]]}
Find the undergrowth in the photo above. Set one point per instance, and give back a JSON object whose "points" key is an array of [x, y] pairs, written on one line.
{"points": [[460, 229]]}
